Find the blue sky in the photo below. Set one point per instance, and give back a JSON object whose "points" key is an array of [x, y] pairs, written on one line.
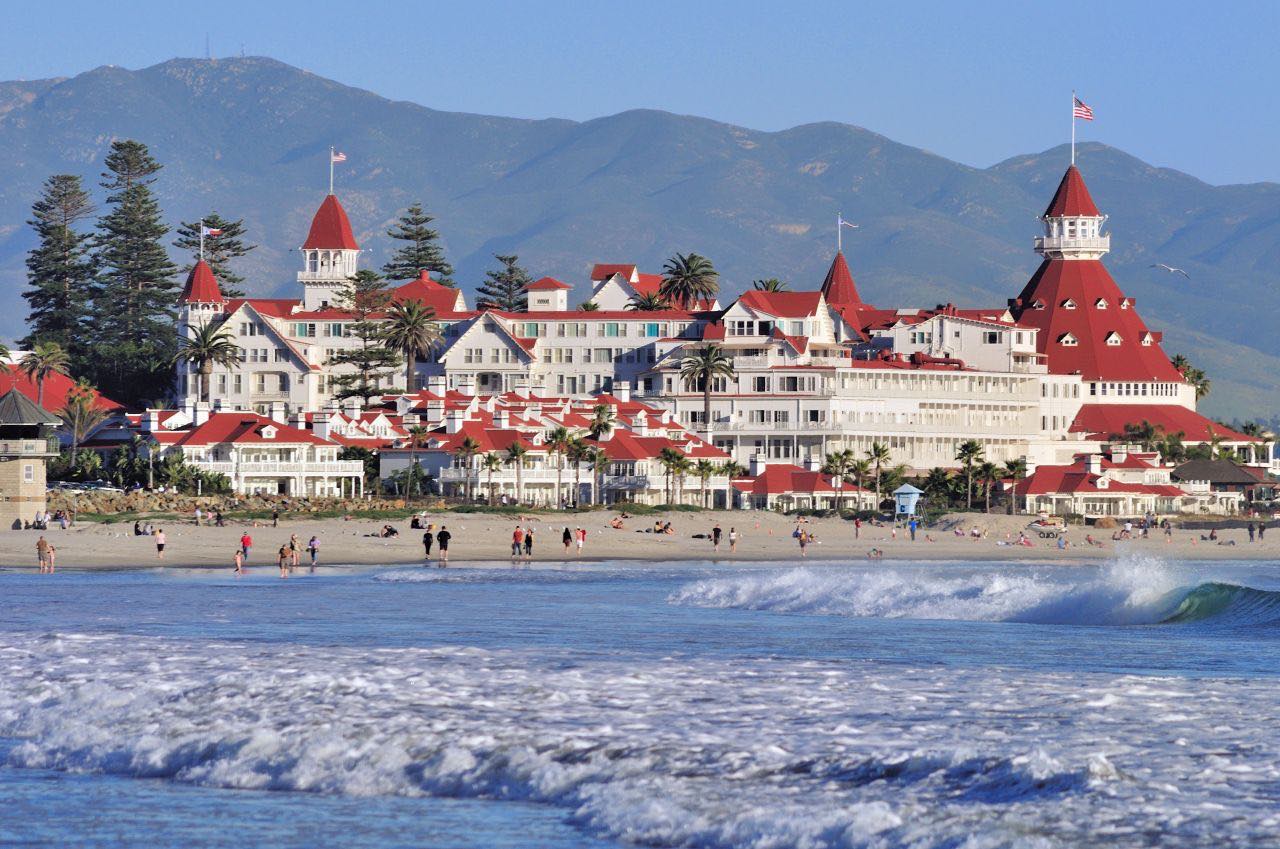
{"points": [[1181, 84]]}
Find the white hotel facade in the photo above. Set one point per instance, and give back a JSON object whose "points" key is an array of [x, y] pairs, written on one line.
{"points": [[1050, 375]]}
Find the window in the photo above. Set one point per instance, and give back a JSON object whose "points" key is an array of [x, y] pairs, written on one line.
{"points": [[760, 384], [236, 386], [1101, 303], [1068, 340], [28, 473], [610, 328], [653, 329], [222, 384], [282, 356], [304, 330], [992, 337], [261, 382], [334, 329], [1146, 339], [1068, 304], [1113, 339], [920, 337]]}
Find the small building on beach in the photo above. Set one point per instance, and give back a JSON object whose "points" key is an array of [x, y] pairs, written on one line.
{"points": [[28, 440]]}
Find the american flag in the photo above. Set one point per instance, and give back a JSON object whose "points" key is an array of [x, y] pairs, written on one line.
{"points": [[1081, 111], [339, 156]]}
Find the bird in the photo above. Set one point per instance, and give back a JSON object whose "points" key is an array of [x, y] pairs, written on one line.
{"points": [[1170, 269]]}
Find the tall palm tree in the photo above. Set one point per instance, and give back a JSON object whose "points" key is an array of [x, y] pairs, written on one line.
{"points": [[491, 463], [770, 284], [670, 458], [1016, 469], [700, 369], [687, 279], [599, 462], [577, 453], [411, 332], [47, 358], [557, 442], [648, 302], [682, 467], [704, 469], [80, 415], [210, 345], [466, 451], [733, 469], [860, 470], [5, 353], [969, 453], [838, 464], [878, 456], [937, 485], [988, 473], [515, 456], [602, 420]]}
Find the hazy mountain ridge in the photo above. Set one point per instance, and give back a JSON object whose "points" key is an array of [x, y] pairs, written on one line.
{"points": [[249, 138]]}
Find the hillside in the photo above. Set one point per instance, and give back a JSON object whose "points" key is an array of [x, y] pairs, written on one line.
{"points": [[248, 137]]}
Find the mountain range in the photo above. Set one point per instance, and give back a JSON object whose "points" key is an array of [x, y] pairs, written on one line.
{"points": [[249, 137]]}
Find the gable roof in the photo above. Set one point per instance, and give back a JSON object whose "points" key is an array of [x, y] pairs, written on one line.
{"points": [[1072, 197], [430, 293], [603, 270], [202, 286], [1214, 471], [781, 478], [782, 304], [838, 286], [244, 428], [330, 228]]}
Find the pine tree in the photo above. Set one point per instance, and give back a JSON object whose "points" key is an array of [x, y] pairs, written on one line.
{"points": [[366, 297], [133, 323], [421, 251], [504, 289], [60, 268], [219, 250]]}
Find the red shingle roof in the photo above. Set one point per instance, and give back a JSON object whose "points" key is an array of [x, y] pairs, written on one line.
{"points": [[56, 388], [330, 228], [782, 304], [603, 270], [244, 428], [1100, 421], [430, 293], [202, 286], [547, 283], [838, 286], [1072, 197]]}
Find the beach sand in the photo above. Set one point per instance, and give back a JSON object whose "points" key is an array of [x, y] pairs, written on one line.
{"points": [[487, 538]]}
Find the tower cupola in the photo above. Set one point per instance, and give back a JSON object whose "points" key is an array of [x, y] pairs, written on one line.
{"points": [[329, 254], [1072, 223]]}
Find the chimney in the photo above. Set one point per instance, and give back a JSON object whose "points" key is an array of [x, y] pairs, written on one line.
{"points": [[188, 409], [320, 427], [453, 420], [622, 390], [150, 421], [502, 420], [640, 423], [403, 404], [813, 463], [435, 412], [200, 413], [437, 384], [1093, 464], [467, 385], [298, 419], [351, 406], [275, 412], [521, 387], [1119, 453], [758, 464]]}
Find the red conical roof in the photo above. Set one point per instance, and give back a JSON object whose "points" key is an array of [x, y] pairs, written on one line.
{"points": [[838, 288], [330, 229], [1087, 325], [202, 286], [1072, 197]]}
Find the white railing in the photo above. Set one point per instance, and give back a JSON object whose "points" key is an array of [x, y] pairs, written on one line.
{"points": [[1057, 243], [25, 447], [333, 467]]}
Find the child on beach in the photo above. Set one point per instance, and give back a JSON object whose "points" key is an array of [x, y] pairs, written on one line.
{"points": [[283, 558], [238, 558]]}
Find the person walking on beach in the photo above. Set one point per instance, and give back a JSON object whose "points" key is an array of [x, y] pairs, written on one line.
{"points": [[528, 543], [715, 537], [199, 516], [160, 540], [238, 559], [283, 557], [1251, 531], [313, 548], [295, 547], [803, 539], [582, 539], [1262, 530], [517, 543], [733, 540], [911, 526], [442, 540], [42, 553], [567, 538], [275, 518], [246, 544], [857, 527], [427, 539]]}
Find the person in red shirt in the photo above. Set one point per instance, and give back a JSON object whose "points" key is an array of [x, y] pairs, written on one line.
{"points": [[246, 543], [517, 542]]}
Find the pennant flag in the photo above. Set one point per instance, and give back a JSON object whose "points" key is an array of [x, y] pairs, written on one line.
{"points": [[1081, 111]]}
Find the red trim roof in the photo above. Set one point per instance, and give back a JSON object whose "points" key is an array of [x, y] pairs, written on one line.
{"points": [[244, 428], [202, 286], [782, 304], [430, 293], [56, 388], [546, 283], [1100, 421], [838, 286], [604, 270], [1072, 197], [785, 478], [330, 228]]}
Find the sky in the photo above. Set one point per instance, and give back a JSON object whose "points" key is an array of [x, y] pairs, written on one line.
{"points": [[1179, 84]]}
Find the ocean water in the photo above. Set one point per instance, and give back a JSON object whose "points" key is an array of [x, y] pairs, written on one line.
{"points": [[894, 704]]}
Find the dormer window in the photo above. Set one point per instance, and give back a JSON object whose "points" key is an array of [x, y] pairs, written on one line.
{"points": [[1147, 339], [1113, 339], [1038, 305], [1069, 304], [1101, 303], [269, 432], [1124, 303], [1068, 340]]}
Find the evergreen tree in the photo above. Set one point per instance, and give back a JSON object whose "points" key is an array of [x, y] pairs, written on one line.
{"points": [[59, 268], [367, 298], [504, 289], [219, 250], [133, 323], [421, 249]]}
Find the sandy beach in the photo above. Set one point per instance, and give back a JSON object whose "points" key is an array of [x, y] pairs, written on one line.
{"points": [[487, 538]]}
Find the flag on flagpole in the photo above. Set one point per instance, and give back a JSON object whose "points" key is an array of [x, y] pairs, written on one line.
{"points": [[337, 156], [210, 231], [1079, 110]]}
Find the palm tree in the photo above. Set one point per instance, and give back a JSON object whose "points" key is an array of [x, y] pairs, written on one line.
{"points": [[467, 449], [47, 358], [837, 465], [988, 474], [410, 333], [669, 458], [1144, 434], [557, 442], [733, 469], [1191, 374], [682, 467], [209, 345], [515, 455], [602, 420], [576, 453], [704, 469], [417, 438], [491, 463], [588, 306], [878, 455], [80, 415], [969, 453], [937, 484], [648, 302], [770, 284], [599, 462], [688, 279], [701, 368], [860, 470], [1016, 469]]}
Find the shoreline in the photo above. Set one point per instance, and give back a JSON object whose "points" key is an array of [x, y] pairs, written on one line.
{"points": [[485, 539]]}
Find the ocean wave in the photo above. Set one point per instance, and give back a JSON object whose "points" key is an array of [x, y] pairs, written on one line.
{"points": [[1133, 591]]}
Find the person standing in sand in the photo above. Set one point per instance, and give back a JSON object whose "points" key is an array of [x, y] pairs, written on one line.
{"points": [[238, 559], [733, 540], [160, 540], [313, 548], [567, 537], [246, 544], [53, 558], [283, 558], [517, 543], [528, 544], [442, 540], [42, 553], [199, 516], [295, 552], [715, 538]]}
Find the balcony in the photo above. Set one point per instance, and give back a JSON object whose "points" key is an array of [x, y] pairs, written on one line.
{"points": [[27, 448], [1051, 244], [332, 468]]}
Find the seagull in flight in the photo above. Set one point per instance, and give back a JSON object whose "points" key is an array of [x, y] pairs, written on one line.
{"points": [[1170, 269]]}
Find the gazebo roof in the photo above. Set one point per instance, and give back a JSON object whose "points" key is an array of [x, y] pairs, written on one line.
{"points": [[17, 409]]}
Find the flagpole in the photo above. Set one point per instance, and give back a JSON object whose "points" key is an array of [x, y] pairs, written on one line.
{"points": [[839, 234], [331, 162], [1073, 126], [202, 240]]}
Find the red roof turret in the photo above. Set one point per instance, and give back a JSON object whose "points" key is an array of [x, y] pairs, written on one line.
{"points": [[1072, 197], [838, 287], [330, 229], [202, 286]]}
